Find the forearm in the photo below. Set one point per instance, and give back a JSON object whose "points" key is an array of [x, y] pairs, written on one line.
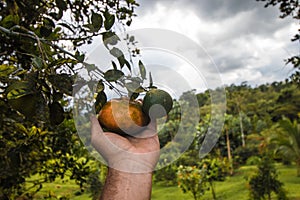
{"points": [[127, 186]]}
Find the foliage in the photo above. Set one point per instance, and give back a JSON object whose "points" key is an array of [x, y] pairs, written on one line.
{"points": [[37, 73], [167, 175], [215, 170], [198, 179], [289, 8], [286, 138], [51, 153], [265, 181], [253, 160], [242, 154], [192, 179]]}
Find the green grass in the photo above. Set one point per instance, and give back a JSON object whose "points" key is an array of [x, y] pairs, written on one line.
{"points": [[60, 188], [232, 188]]}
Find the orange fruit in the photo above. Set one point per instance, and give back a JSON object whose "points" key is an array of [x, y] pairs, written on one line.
{"points": [[123, 116], [157, 103]]}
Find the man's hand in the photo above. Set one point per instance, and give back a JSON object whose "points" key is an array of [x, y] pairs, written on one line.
{"points": [[129, 154], [131, 161]]}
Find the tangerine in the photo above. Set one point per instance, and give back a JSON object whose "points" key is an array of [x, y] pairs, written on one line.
{"points": [[123, 116], [157, 103]]}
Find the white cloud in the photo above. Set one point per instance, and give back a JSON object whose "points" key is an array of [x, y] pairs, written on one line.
{"points": [[246, 41]]}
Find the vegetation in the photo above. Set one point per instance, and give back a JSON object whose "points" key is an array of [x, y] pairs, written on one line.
{"points": [[40, 149], [289, 8], [265, 181], [192, 179], [286, 138], [36, 81], [234, 187]]}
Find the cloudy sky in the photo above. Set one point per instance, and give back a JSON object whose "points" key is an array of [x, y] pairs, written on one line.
{"points": [[246, 41]]}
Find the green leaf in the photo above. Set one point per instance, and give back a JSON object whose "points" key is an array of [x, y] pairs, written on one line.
{"points": [[61, 4], [19, 89], [128, 65], [61, 61], [110, 38], [113, 75], [49, 22], [62, 82], [100, 101], [45, 31], [56, 113], [109, 20], [131, 39], [116, 52], [100, 87], [37, 62], [133, 95], [123, 62], [26, 104], [97, 21], [79, 57], [6, 70], [135, 79], [57, 96], [21, 128], [90, 67], [142, 70], [132, 86], [10, 20]]}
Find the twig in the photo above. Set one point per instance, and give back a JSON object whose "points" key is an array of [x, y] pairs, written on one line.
{"points": [[33, 36]]}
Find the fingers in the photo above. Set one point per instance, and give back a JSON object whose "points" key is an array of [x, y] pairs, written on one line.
{"points": [[106, 143], [98, 138], [95, 126]]}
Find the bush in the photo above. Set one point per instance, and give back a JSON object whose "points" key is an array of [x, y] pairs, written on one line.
{"points": [[167, 175], [265, 181], [253, 160], [193, 180], [243, 153]]}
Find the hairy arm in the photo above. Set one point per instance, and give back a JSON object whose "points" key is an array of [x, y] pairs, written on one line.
{"points": [[127, 186], [131, 162]]}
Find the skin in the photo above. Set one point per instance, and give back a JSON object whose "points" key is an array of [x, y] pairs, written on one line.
{"points": [[130, 160]]}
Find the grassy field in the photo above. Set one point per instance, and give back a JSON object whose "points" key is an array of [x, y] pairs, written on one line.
{"points": [[234, 187]]}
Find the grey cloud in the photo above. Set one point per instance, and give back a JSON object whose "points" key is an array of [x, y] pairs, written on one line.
{"points": [[242, 22], [206, 9]]}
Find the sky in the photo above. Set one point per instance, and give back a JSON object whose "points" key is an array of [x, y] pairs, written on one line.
{"points": [[245, 41]]}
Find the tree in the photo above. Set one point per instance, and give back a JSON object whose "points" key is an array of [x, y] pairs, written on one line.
{"points": [[289, 8], [215, 170], [37, 73], [192, 179], [286, 138], [238, 95], [265, 181]]}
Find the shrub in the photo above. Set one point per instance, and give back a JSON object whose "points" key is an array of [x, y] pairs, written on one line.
{"points": [[265, 181], [253, 160]]}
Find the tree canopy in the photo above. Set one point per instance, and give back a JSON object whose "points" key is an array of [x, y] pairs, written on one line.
{"points": [[39, 52], [289, 8]]}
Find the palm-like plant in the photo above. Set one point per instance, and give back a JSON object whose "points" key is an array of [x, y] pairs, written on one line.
{"points": [[287, 141]]}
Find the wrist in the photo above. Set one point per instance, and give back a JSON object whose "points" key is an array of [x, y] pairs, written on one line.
{"points": [[127, 185]]}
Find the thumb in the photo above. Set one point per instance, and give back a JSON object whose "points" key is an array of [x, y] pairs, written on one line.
{"points": [[95, 126], [97, 134], [98, 138]]}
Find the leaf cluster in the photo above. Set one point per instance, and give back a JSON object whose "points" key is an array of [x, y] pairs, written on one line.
{"points": [[37, 76]]}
